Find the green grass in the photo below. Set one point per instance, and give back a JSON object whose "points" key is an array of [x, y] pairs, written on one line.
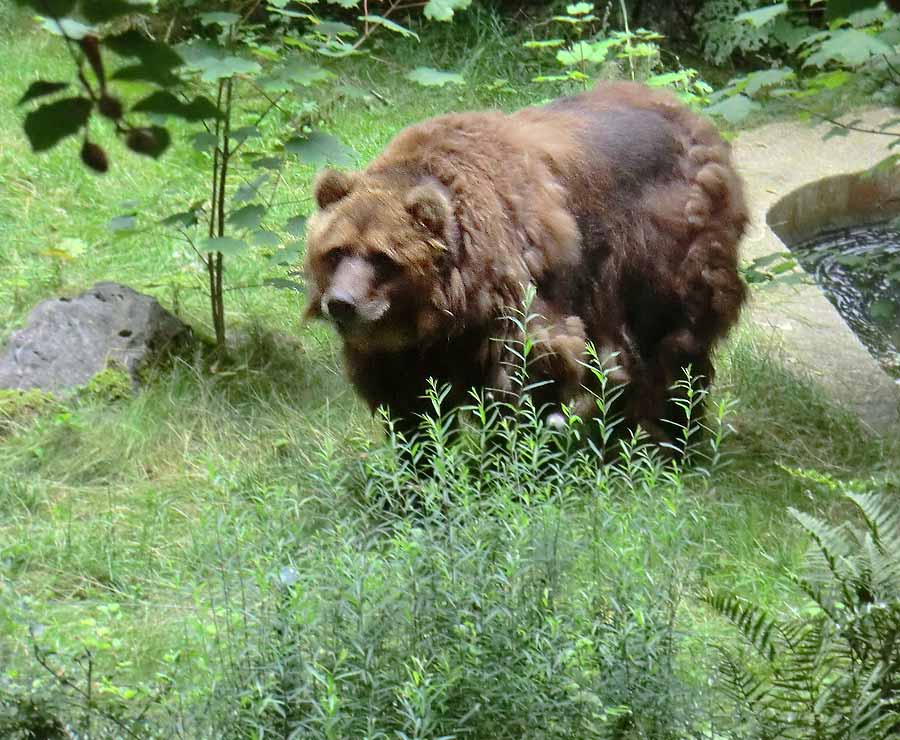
{"points": [[151, 529]]}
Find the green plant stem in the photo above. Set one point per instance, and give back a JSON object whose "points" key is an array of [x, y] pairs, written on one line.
{"points": [[627, 36], [218, 296], [213, 210]]}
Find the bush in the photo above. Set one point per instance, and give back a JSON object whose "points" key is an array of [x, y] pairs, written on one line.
{"points": [[516, 586]]}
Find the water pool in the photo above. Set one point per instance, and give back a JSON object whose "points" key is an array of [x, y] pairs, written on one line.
{"points": [[858, 268]]}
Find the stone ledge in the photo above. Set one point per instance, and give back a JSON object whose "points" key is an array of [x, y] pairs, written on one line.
{"points": [[790, 170]]}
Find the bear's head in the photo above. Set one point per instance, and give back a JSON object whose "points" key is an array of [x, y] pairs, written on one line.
{"points": [[378, 252]]}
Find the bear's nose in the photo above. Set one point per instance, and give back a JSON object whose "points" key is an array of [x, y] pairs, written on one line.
{"points": [[341, 307]]}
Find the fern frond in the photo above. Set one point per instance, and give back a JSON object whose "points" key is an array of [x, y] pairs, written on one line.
{"points": [[754, 623], [833, 542], [833, 673], [883, 571], [751, 691], [867, 716], [882, 517], [742, 683]]}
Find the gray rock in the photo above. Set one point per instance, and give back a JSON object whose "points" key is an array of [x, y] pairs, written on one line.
{"points": [[69, 340]]}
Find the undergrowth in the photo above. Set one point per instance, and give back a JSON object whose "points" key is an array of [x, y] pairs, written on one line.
{"points": [[491, 577], [831, 670]]}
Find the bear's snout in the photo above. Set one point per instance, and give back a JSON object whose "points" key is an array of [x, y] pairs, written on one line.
{"points": [[341, 307]]}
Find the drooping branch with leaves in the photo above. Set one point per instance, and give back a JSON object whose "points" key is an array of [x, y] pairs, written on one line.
{"points": [[857, 49], [233, 67]]}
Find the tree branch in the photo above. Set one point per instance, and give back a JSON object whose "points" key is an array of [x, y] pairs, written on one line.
{"points": [[847, 126]]}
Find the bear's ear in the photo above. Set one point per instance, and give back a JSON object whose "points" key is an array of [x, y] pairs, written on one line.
{"points": [[331, 186], [429, 205]]}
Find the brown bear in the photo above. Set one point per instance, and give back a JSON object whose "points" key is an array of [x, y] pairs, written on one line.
{"points": [[618, 209]]}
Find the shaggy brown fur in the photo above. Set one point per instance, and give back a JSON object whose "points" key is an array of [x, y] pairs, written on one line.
{"points": [[619, 206]]}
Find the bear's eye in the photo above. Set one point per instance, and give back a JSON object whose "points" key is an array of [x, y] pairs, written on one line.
{"points": [[385, 267], [333, 256]]}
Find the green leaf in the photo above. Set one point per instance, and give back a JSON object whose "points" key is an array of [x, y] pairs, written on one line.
{"points": [[346, 3], [570, 76], [302, 73], [865, 17], [835, 132], [296, 43], [296, 225], [790, 34], [263, 238], [268, 163], [785, 266], [229, 66], [290, 13], [830, 80], [218, 18], [243, 133], [146, 73], [733, 109], [153, 54], [336, 49], [591, 52], [247, 217], [319, 149], [52, 122], [125, 222], [186, 219], [224, 244], [288, 255], [762, 16], [40, 88], [545, 44], [442, 10], [572, 20], [668, 78], [579, 8], [213, 62], [66, 27], [848, 45], [204, 141], [165, 103], [390, 25], [297, 71], [770, 259], [767, 78], [283, 284], [352, 92], [430, 77], [335, 28], [248, 191], [102, 11], [67, 249]]}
